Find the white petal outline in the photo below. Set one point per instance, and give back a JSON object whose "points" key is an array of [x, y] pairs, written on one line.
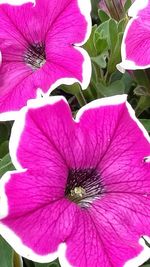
{"points": [[85, 9], [136, 7], [107, 101], [8, 234], [142, 257], [16, 2], [133, 12]]}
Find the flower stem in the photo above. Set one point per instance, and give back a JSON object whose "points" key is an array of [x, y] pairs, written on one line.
{"points": [[80, 97], [17, 260]]}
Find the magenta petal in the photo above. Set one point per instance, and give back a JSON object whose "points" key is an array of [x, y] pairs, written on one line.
{"points": [[67, 21], [47, 135], [15, 88], [98, 121], [136, 41], [102, 239], [66, 61], [43, 214], [122, 165]]}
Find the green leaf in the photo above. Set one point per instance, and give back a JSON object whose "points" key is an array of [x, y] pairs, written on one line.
{"points": [[143, 104], [6, 165], [115, 56], [4, 149], [125, 78], [101, 37], [121, 25], [6, 254], [108, 32], [101, 44], [103, 30], [4, 132], [142, 78], [115, 88], [71, 89], [146, 124], [113, 32], [89, 46], [127, 5], [101, 60], [94, 77], [103, 15]]}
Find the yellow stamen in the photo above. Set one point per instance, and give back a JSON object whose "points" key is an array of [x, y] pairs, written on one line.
{"points": [[78, 192]]}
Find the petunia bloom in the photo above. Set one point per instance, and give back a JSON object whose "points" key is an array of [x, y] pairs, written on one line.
{"points": [[81, 188], [136, 41], [40, 49]]}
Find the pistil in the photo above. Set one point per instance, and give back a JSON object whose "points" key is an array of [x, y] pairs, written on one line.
{"points": [[35, 56], [83, 186]]}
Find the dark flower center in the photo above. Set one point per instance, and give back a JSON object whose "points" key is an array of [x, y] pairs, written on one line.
{"points": [[83, 186], [35, 56]]}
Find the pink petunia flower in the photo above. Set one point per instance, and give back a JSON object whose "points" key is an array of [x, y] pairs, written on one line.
{"points": [[40, 49], [81, 189], [136, 41]]}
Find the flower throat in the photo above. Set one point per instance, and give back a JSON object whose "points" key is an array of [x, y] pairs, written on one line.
{"points": [[35, 56], [83, 186]]}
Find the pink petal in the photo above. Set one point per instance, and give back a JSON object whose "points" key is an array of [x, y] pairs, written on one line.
{"points": [[122, 166], [120, 220], [68, 21], [44, 133], [98, 121], [136, 41], [17, 85], [62, 62], [14, 29], [85, 247], [42, 216], [102, 239], [65, 61]]}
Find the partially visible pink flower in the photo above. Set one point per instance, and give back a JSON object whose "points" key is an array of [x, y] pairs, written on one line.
{"points": [[84, 183], [136, 41], [39, 46]]}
